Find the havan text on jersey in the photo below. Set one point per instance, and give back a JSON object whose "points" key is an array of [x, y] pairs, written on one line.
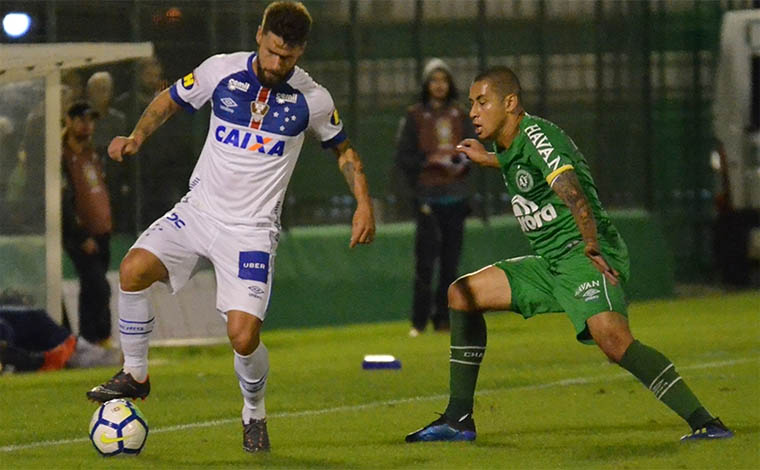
{"points": [[543, 146]]}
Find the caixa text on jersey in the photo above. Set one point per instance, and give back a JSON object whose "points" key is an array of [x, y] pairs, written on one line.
{"points": [[250, 141]]}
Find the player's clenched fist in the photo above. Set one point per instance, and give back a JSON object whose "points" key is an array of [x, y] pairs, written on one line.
{"points": [[121, 146]]}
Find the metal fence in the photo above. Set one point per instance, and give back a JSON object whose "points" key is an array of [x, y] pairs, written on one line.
{"points": [[631, 81]]}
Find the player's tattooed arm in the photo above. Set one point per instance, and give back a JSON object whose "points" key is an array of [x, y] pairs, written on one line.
{"points": [[158, 111], [568, 188], [363, 223]]}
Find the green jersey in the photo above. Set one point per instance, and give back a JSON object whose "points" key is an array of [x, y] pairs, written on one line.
{"points": [[539, 153]]}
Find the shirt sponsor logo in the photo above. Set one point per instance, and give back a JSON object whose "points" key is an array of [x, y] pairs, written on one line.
{"points": [[523, 180], [530, 216], [588, 291], [233, 84], [253, 266], [249, 141], [283, 98], [542, 145], [228, 103], [188, 81]]}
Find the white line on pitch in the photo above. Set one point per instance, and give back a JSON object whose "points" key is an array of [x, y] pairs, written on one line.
{"points": [[375, 404]]}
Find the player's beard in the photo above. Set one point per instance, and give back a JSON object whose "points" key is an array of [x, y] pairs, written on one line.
{"points": [[267, 78]]}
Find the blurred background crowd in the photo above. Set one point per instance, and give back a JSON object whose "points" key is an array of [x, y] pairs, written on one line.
{"points": [[631, 81]]}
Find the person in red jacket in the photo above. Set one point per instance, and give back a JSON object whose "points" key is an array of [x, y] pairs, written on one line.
{"points": [[87, 221], [437, 174]]}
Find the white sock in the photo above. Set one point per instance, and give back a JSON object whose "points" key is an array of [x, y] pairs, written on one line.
{"points": [[252, 371], [135, 324]]}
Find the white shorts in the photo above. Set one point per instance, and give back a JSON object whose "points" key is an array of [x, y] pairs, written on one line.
{"points": [[243, 258]]}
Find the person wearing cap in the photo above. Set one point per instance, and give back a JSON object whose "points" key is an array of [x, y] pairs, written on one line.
{"points": [[111, 122], [437, 175], [86, 211]]}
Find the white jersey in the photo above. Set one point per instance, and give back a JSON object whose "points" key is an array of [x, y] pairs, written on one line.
{"points": [[254, 138]]}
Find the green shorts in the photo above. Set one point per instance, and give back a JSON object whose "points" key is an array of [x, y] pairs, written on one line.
{"points": [[570, 284]]}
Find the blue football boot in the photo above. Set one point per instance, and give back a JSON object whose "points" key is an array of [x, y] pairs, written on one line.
{"points": [[713, 429], [445, 429]]}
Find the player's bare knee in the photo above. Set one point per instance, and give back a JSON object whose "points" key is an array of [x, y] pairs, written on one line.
{"points": [[244, 342], [613, 343], [132, 276], [139, 270], [459, 298]]}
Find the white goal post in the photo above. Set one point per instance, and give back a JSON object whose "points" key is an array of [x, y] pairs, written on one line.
{"points": [[21, 62]]}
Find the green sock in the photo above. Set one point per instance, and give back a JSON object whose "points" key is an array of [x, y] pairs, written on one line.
{"points": [[468, 346], [658, 374]]}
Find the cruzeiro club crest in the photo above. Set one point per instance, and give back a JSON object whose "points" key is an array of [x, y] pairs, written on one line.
{"points": [[524, 180], [259, 109]]}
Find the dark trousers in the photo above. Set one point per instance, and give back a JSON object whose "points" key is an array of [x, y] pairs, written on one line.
{"points": [[94, 290], [439, 236]]}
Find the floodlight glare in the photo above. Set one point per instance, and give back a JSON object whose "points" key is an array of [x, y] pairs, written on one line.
{"points": [[16, 24]]}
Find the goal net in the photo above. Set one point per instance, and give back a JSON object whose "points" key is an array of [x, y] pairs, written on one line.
{"points": [[32, 99]]}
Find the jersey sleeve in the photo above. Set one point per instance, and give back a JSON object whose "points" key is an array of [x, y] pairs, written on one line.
{"points": [[194, 89], [324, 119]]}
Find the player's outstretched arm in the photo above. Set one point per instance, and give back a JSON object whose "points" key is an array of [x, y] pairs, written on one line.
{"points": [[477, 153], [363, 223], [158, 111], [568, 188]]}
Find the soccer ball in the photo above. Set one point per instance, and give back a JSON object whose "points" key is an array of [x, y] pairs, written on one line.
{"points": [[118, 427]]}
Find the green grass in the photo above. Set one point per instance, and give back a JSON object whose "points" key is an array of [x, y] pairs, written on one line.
{"points": [[544, 400]]}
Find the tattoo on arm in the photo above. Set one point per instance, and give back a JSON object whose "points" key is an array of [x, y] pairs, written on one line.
{"points": [[158, 111], [348, 172], [567, 186], [353, 171]]}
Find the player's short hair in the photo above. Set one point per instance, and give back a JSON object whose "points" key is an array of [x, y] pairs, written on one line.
{"points": [[503, 80], [289, 20]]}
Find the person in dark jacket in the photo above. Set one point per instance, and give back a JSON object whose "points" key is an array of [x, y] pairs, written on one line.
{"points": [[437, 174]]}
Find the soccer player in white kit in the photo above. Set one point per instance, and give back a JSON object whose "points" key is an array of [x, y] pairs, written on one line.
{"points": [[262, 104]]}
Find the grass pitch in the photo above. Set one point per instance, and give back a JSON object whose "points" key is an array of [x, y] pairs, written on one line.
{"points": [[544, 400]]}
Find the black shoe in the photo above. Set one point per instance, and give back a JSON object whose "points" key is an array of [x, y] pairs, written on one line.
{"points": [[255, 436], [445, 429], [121, 385]]}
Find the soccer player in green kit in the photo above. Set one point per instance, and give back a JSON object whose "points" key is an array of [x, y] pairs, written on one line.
{"points": [[579, 269]]}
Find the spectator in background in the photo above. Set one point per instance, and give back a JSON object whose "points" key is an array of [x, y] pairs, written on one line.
{"points": [[7, 162], [111, 123], [162, 172], [72, 78], [87, 221], [437, 173], [26, 183], [30, 340], [150, 82]]}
